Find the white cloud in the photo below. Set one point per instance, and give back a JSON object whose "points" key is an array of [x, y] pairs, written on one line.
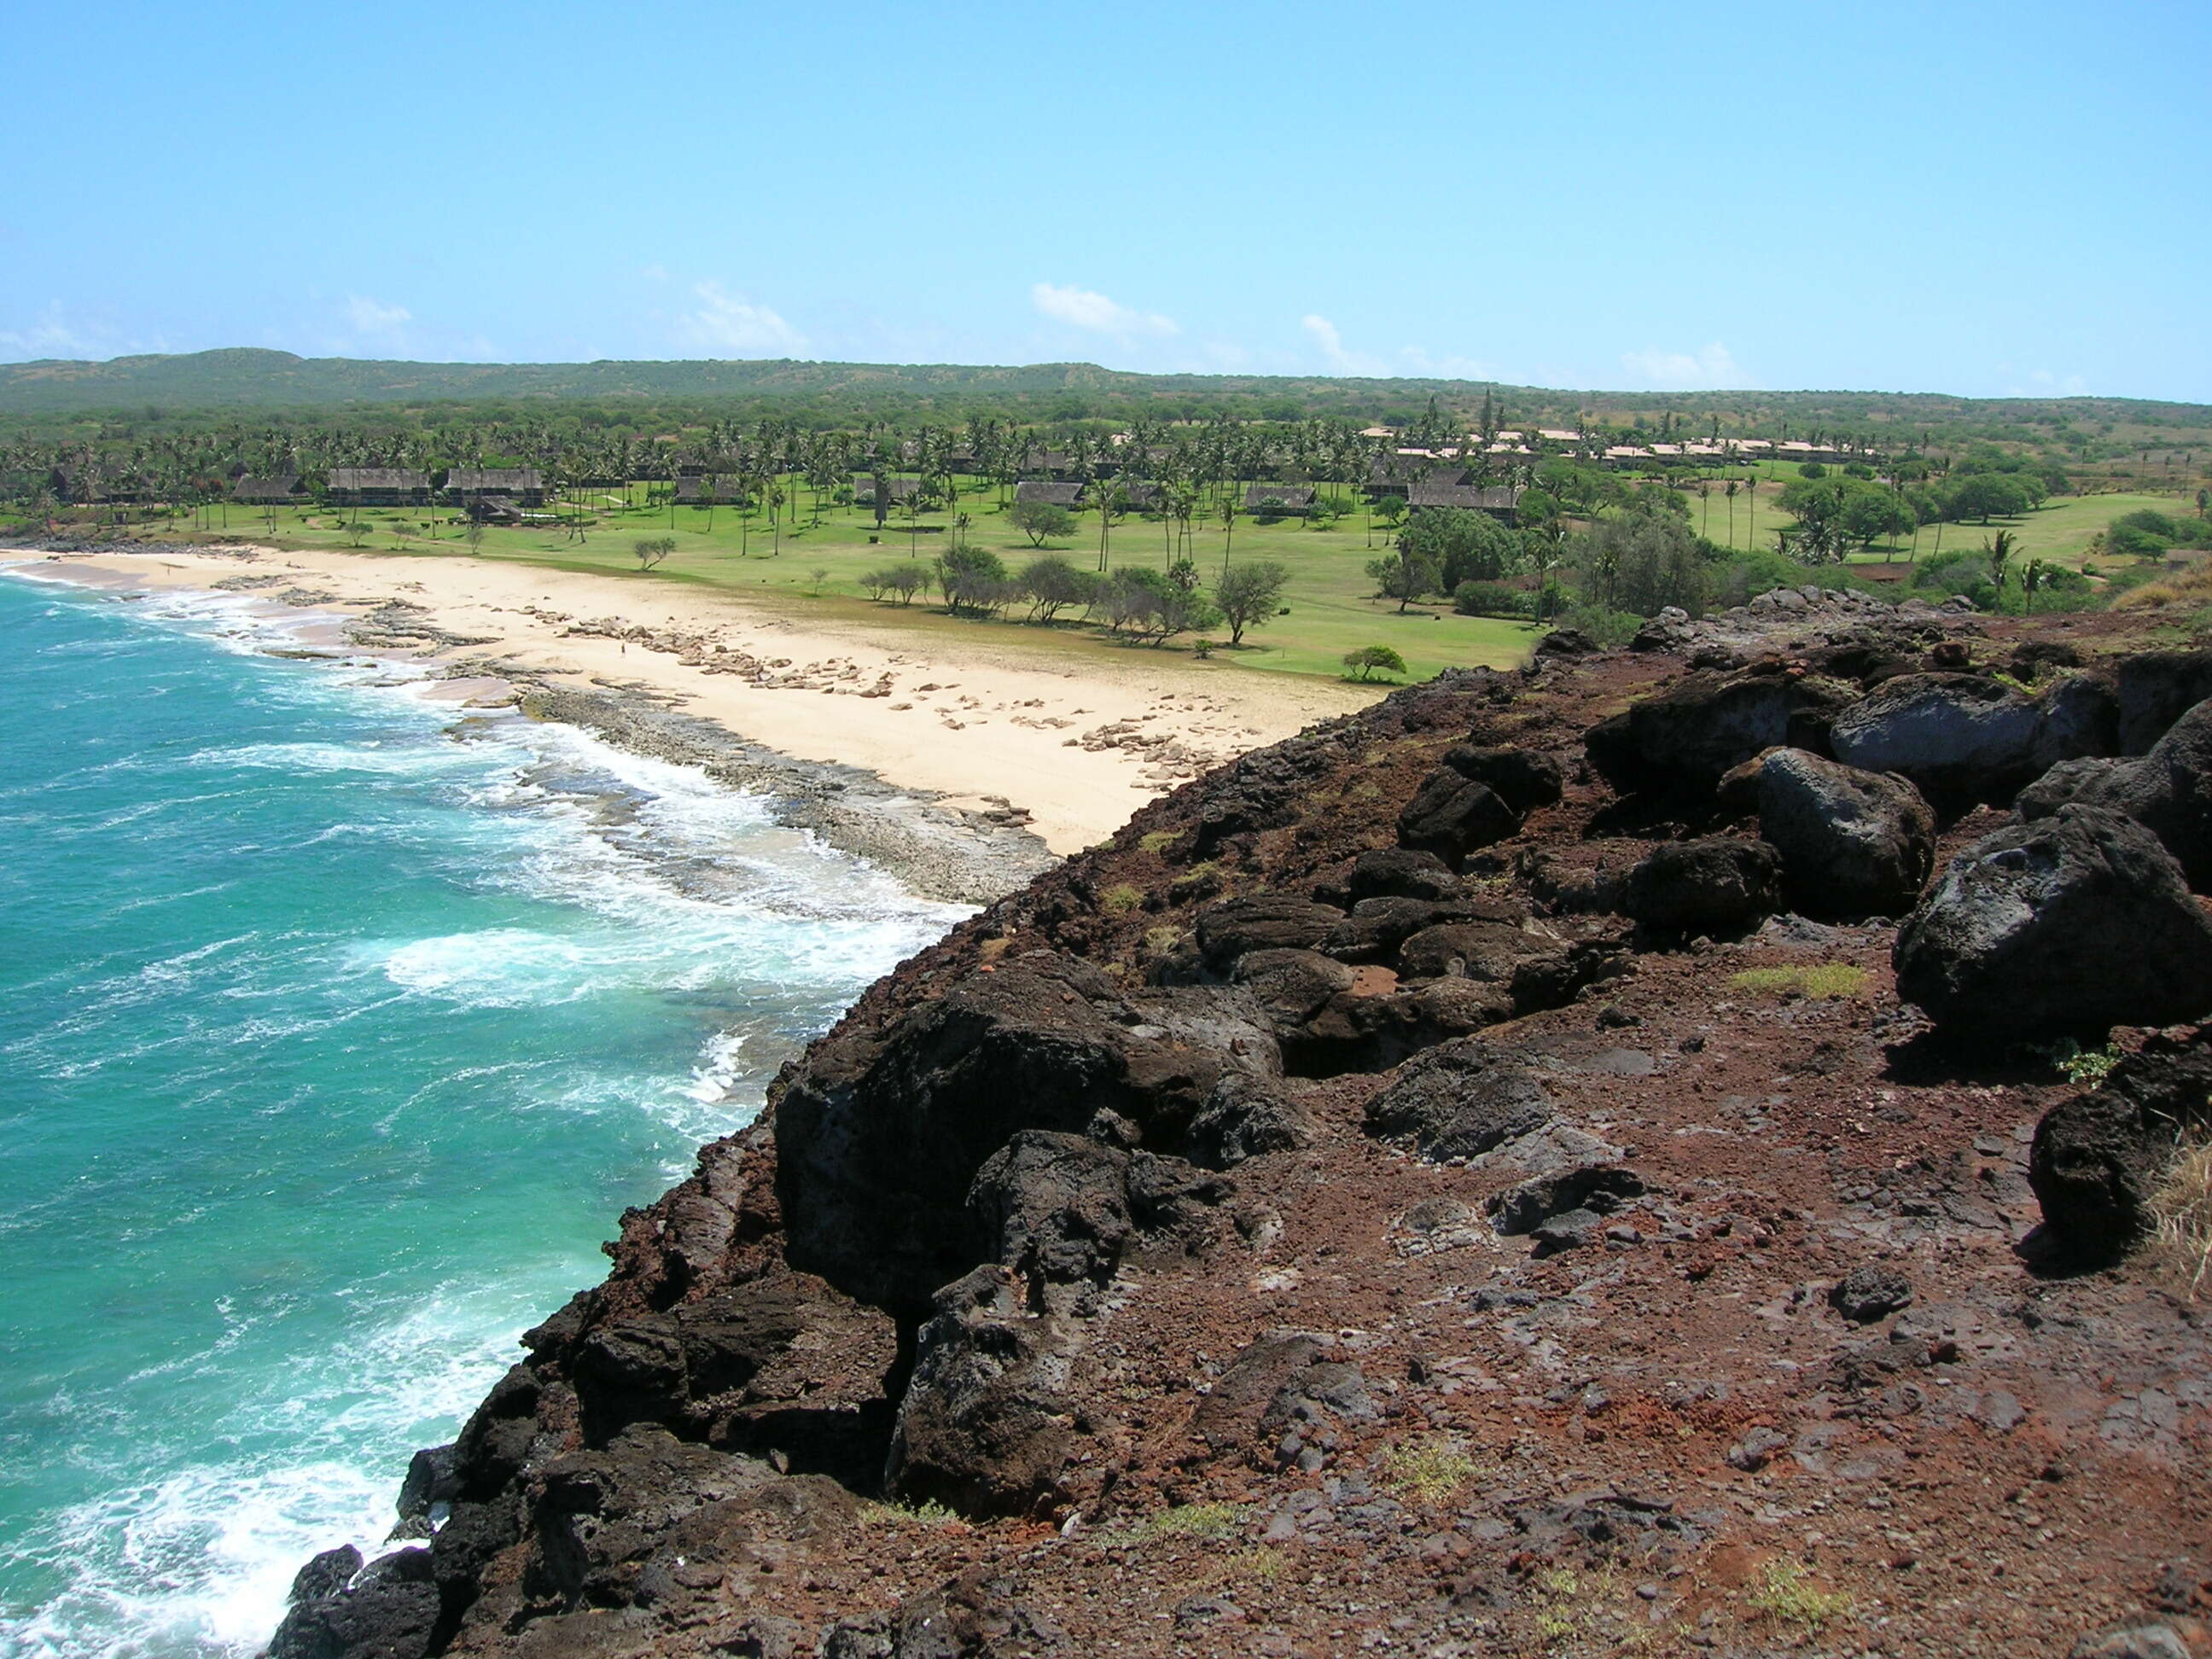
{"points": [[726, 323], [1330, 342], [1686, 371], [370, 316], [50, 337], [1080, 308], [1447, 367]]}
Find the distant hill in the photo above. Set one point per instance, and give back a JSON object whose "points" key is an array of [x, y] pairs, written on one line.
{"points": [[243, 379]]}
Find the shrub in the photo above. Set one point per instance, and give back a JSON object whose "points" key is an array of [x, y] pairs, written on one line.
{"points": [[1784, 1594], [1429, 1473], [1052, 585], [1120, 900], [1473, 598]]}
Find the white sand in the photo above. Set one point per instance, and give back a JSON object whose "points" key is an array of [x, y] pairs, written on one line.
{"points": [[1080, 739]]}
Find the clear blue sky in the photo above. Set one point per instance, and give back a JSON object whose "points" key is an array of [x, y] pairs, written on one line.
{"points": [[1969, 197]]}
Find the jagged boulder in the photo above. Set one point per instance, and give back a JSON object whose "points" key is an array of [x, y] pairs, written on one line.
{"points": [[985, 1423], [1378, 927], [1524, 778], [390, 1610], [1459, 1100], [2156, 689], [1054, 1205], [882, 1127], [1965, 737], [1714, 885], [1685, 739], [2100, 1157], [1266, 922], [1453, 815], [2077, 922], [1853, 843], [1393, 872], [2168, 791]]}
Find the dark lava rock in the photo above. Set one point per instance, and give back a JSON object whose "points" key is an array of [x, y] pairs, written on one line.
{"points": [[325, 1574], [1246, 1117], [1870, 1293], [986, 1425], [1229, 929], [1394, 872], [1598, 1189], [1567, 642], [1853, 843], [1485, 950], [1453, 816], [881, 1129], [1054, 1205], [2156, 689], [1460, 1100], [1378, 927], [1571, 1229], [1682, 741], [2168, 791], [1715, 885], [390, 1613], [2098, 1157], [1291, 986], [431, 1478], [1963, 738], [2075, 923], [2032, 658], [1524, 778]]}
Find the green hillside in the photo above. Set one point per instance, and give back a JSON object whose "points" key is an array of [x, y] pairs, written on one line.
{"points": [[243, 379]]}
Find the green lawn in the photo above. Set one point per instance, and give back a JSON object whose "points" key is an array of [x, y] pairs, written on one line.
{"points": [[1332, 609]]}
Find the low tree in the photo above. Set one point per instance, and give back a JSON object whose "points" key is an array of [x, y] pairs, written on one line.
{"points": [[1248, 595], [973, 580], [1052, 585], [1373, 660], [1404, 575], [474, 534], [650, 551], [1039, 520], [356, 532]]}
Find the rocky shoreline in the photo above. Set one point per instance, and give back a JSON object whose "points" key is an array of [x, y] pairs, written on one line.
{"points": [[938, 852], [1566, 1160]]}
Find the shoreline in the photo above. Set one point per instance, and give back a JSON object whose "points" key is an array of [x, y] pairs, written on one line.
{"points": [[964, 779]]}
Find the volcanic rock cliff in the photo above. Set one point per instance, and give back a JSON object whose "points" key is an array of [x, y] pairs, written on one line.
{"points": [[1568, 1161]]}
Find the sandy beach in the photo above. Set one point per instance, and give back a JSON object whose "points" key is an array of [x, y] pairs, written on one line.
{"points": [[1065, 745]]}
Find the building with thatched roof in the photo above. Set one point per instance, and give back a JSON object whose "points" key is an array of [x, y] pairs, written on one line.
{"points": [[724, 489], [270, 490], [896, 490], [1051, 494], [1129, 495], [1274, 499], [379, 486], [1501, 501], [523, 485]]}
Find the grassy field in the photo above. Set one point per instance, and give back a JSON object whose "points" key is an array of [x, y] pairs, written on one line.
{"points": [[818, 567], [2058, 531]]}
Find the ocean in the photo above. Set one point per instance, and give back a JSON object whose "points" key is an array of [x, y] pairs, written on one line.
{"points": [[337, 1026]]}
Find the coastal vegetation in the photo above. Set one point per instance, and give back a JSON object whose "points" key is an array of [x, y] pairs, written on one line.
{"points": [[1449, 532]]}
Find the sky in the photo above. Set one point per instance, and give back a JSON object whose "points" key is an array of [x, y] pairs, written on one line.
{"points": [[1976, 198]]}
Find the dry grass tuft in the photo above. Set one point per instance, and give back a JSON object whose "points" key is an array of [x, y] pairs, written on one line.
{"points": [[2192, 587], [2179, 1249], [1831, 979]]}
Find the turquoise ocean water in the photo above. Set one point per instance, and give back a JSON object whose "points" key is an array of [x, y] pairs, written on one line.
{"points": [[337, 1027]]}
